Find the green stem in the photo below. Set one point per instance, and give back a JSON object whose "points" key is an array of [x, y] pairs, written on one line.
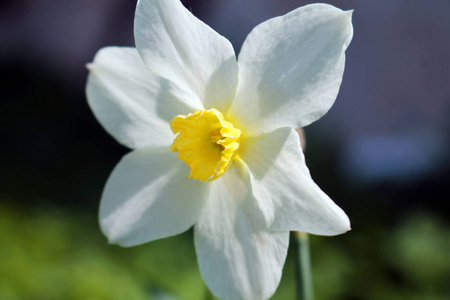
{"points": [[303, 263]]}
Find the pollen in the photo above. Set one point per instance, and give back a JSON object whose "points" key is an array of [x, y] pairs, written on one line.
{"points": [[206, 142]]}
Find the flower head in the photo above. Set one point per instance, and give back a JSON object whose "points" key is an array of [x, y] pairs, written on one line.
{"points": [[213, 137]]}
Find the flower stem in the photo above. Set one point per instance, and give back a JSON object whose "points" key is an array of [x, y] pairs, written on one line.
{"points": [[303, 270]]}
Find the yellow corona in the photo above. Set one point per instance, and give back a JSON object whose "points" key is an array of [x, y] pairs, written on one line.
{"points": [[206, 142]]}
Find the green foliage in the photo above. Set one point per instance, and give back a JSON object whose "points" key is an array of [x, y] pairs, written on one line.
{"points": [[51, 254]]}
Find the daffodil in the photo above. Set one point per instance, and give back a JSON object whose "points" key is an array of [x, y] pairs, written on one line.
{"points": [[213, 138]]}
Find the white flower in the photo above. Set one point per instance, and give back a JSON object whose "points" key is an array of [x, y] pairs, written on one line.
{"points": [[234, 120]]}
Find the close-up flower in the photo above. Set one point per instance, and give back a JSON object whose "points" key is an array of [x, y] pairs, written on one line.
{"points": [[213, 137]]}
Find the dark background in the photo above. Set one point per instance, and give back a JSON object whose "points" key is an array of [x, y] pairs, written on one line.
{"points": [[381, 153]]}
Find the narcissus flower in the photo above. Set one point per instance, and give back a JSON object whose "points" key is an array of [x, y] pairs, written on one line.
{"points": [[213, 138]]}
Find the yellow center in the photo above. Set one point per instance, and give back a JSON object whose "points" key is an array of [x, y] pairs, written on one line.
{"points": [[206, 142]]}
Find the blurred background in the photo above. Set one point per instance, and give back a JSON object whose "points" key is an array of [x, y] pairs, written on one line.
{"points": [[381, 153]]}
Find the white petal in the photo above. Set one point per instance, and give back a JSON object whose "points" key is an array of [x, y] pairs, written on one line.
{"points": [[284, 189], [180, 47], [291, 67], [149, 196], [134, 105], [238, 257]]}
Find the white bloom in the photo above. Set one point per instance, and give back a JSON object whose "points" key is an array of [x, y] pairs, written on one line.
{"points": [[235, 133]]}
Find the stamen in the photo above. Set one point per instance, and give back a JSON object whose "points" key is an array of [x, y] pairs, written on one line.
{"points": [[206, 142]]}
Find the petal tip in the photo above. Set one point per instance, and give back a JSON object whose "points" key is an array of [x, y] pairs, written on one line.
{"points": [[347, 17], [90, 66], [108, 230], [347, 226], [342, 224], [349, 14], [117, 240]]}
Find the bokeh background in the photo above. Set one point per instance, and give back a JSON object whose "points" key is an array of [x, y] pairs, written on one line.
{"points": [[382, 153]]}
